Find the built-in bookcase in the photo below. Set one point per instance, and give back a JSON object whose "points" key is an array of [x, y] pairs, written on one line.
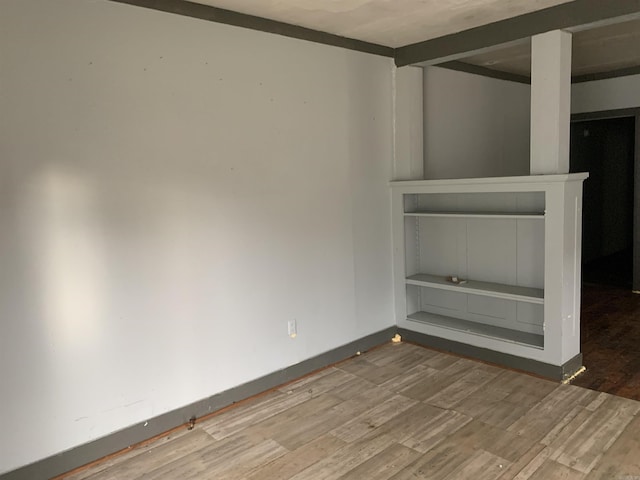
{"points": [[493, 263]]}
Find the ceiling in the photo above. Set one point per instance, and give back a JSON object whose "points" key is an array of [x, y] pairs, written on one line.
{"points": [[398, 23], [392, 23], [603, 49]]}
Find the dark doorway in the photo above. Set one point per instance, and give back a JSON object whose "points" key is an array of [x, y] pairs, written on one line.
{"points": [[609, 328], [606, 149]]}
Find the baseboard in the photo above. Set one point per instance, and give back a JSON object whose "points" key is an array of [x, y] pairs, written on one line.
{"points": [[117, 441], [553, 372]]}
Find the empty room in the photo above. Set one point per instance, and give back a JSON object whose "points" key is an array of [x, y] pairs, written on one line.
{"points": [[300, 239]]}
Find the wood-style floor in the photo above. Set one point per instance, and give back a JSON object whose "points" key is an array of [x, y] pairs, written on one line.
{"points": [[402, 412], [610, 327]]}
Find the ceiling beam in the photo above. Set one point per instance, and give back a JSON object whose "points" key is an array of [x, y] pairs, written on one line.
{"points": [[590, 77], [514, 77], [565, 16], [485, 72], [229, 17]]}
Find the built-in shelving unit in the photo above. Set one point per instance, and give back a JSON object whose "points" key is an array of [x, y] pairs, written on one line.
{"points": [[493, 263]]}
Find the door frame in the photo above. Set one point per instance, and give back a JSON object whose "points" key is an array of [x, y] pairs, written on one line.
{"points": [[625, 113]]}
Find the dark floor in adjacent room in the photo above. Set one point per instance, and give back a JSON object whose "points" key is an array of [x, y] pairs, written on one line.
{"points": [[614, 270], [611, 340]]}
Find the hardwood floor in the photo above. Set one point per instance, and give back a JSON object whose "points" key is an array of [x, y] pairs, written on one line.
{"points": [[610, 323], [402, 412]]}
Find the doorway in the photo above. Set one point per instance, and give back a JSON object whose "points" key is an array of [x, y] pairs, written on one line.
{"points": [[606, 149]]}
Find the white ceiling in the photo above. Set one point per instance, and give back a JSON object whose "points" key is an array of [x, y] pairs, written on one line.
{"points": [[393, 23]]}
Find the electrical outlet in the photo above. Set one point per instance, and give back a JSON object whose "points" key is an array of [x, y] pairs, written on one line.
{"points": [[293, 328]]}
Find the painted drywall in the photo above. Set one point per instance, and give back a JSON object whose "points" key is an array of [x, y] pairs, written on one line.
{"points": [[474, 126], [610, 94], [172, 193], [408, 152]]}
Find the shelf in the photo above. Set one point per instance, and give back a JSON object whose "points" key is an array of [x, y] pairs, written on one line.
{"points": [[488, 289], [500, 333], [507, 215], [503, 184]]}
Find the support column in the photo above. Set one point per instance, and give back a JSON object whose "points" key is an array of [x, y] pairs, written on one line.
{"points": [[550, 102]]}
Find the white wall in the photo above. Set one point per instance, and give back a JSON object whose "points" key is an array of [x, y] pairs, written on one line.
{"points": [[408, 131], [610, 94], [172, 192], [474, 126]]}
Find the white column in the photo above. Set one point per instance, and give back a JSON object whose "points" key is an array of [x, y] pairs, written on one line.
{"points": [[550, 102], [408, 156]]}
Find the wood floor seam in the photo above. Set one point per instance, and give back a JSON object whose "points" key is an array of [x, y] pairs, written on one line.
{"points": [[402, 412]]}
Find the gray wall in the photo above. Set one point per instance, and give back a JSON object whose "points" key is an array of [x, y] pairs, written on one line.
{"points": [[172, 192], [474, 126], [611, 94]]}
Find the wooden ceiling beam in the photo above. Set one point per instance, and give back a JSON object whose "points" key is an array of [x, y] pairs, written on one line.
{"points": [[565, 16]]}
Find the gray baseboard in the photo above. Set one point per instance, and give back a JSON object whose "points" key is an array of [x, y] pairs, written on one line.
{"points": [[553, 372], [92, 451]]}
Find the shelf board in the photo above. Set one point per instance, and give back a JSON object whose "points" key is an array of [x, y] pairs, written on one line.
{"points": [[506, 215], [500, 333], [487, 289], [497, 184]]}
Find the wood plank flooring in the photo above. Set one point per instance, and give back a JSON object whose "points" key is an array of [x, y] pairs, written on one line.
{"points": [[610, 326], [402, 412]]}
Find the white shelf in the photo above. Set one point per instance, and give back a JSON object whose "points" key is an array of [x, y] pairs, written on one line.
{"points": [[521, 183], [509, 215], [488, 289], [484, 330]]}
